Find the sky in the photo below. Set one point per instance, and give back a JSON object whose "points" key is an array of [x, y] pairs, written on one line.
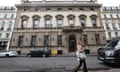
{"points": [[104, 2]]}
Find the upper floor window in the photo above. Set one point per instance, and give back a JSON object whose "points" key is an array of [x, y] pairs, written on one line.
{"points": [[107, 26], [114, 26], [5, 16], [12, 15], [48, 21], [24, 23], [7, 35], [94, 23], [24, 20], [59, 20], [105, 16], [82, 20], [35, 23], [70, 9], [94, 20], [2, 25], [109, 34], [81, 9], [48, 9], [59, 9], [9, 25], [111, 15], [92, 9], [116, 34], [71, 20], [36, 20]]}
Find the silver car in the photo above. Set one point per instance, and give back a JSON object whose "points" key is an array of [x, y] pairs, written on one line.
{"points": [[8, 53]]}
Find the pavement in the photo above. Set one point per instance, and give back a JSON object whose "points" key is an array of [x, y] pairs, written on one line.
{"points": [[91, 64]]}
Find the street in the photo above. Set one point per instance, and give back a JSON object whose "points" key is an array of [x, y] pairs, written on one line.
{"points": [[50, 64]]}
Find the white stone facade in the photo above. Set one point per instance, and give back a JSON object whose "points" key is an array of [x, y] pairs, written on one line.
{"points": [[7, 21]]}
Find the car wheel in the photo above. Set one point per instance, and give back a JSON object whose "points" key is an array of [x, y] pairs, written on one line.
{"points": [[7, 55]]}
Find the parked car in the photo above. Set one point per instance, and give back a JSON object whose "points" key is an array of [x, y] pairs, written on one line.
{"points": [[110, 53], [42, 52], [8, 53]]}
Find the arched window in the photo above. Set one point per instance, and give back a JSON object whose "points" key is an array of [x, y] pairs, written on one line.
{"points": [[36, 21], [71, 20], [24, 20], [48, 21], [82, 19], [59, 21], [94, 20]]}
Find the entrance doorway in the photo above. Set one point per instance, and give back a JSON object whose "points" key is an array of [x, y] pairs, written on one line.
{"points": [[72, 43]]}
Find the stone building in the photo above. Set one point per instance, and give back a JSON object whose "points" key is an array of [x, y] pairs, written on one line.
{"points": [[58, 25], [111, 21], [7, 20]]}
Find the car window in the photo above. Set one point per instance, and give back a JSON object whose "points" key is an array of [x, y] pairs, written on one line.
{"points": [[111, 44], [117, 45]]}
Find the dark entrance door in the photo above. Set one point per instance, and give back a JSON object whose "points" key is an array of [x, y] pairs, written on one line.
{"points": [[72, 43]]}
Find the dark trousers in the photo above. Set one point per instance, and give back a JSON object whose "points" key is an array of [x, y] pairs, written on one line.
{"points": [[81, 62]]}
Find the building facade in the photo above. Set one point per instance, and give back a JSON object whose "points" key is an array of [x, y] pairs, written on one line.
{"points": [[111, 21], [57, 25], [7, 20]]}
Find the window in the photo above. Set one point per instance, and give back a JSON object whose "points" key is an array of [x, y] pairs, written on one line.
{"points": [[97, 39], [48, 9], [116, 34], [81, 8], [111, 15], [20, 41], [10, 25], [107, 26], [92, 9], [94, 23], [105, 16], [117, 15], [59, 23], [12, 15], [25, 9], [24, 23], [71, 21], [85, 39], [59, 40], [48, 23], [35, 23], [114, 26], [109, 34], [5, 16], [59, 9], [46, 40], [36, 9], [82, 22], [0, 35], [70, 9], [7, 35], [2, 26], [33, 40]]}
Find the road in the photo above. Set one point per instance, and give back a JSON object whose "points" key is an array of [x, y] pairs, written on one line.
{"points": [[50, 64]]}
